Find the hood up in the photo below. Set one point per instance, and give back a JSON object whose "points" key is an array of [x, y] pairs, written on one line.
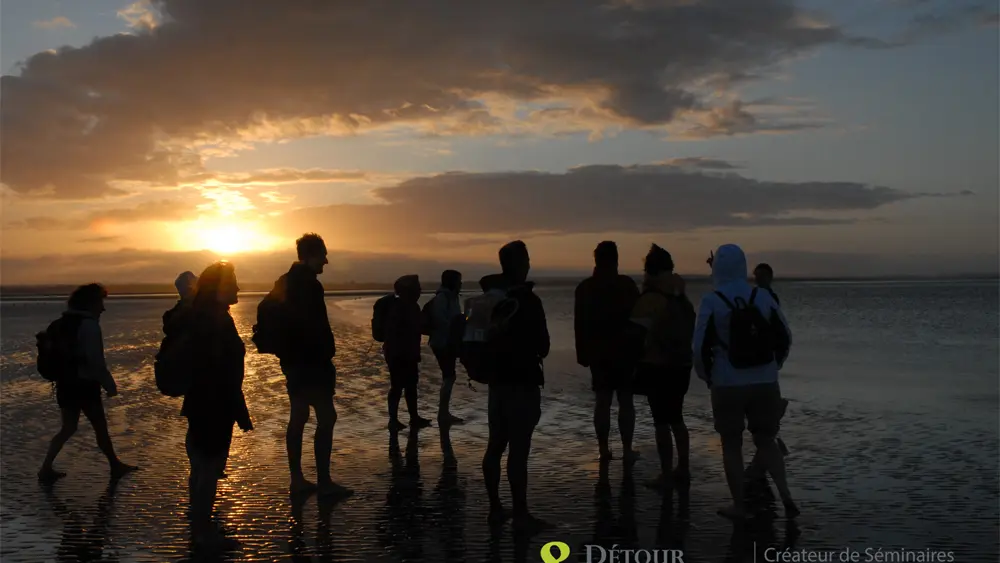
{"points": [[729, 265]]}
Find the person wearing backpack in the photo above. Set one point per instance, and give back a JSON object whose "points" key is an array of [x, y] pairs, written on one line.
{"points": [[71, 354], [763, 276], [305, 348], [663, 372], [186, 284], [214, 402], [602, 306], [402, 352], [440, 313], [519, 342], [741, 340]]}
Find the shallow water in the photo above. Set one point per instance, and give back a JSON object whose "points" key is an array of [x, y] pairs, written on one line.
{"points": [[892, 427]]}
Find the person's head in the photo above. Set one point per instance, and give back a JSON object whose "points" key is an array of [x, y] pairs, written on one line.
{"points": [[408, 287], [514, 261], [217, 285], [452, 279], [312, 252], [186, 284], [606, 255], [763, 275], [88, 298], [658, 261], [729, 266]]}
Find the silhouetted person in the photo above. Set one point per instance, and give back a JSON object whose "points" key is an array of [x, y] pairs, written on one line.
{"points": [[307, 362], [186, 284], [664, 369], [444, 308], [763, 276], [83, 375], [603, 303], [744, 395], [402, 352], [520, 344], [215, 400]]}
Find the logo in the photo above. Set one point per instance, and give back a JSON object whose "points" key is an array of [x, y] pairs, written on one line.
{"points": [[561, 548]]}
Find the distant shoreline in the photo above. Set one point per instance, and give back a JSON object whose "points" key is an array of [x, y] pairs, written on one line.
{"points": [[151, 290]]}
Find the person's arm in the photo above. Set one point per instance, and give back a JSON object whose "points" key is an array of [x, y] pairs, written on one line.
{"points": [[581, 324], [542, 330], [702, 344], [91, 342]]}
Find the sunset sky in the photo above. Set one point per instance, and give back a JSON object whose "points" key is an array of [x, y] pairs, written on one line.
{"points": [[847, 137]]}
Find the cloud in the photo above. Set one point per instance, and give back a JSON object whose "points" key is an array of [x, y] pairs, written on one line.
{"points": [[59, 22], [158, 210], [99, 240], [133, 107], [679, 195]]}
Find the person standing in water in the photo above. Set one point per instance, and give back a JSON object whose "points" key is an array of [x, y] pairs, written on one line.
{"points": [[520, 342], [444, 308], [215, 400], [84, 374], [741, 339], [402, 352], [602, 305]]}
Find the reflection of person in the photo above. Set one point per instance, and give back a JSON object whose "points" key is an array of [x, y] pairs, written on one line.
{"points": [[79, 541], [79, 389]]}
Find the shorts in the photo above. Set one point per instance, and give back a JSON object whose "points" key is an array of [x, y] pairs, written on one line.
{"points": [[447, 363], [611, 376], [666, 393], [310, 378], [759, 405], [208, 452], [514, 409], [403, 373], [78, 393]]}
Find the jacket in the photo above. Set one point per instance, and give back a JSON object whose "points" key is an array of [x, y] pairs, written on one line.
{"points": [[216, 394], [711, 361], [601, 309], [310, 338], [90, 349], [669, 322], [445, 307], [402, 336], [524, 343]]}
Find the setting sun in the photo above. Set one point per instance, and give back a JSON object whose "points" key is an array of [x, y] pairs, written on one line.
{"points": [[228, 237]]}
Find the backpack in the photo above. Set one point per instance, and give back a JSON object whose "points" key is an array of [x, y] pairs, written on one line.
{"points": [[173, 367], [486, 321], [270, 334], [752, 339], [380, 316], [427, 317], [456, 333], [57, 357]]}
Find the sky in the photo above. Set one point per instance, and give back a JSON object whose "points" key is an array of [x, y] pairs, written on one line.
{"points": [[848, 138]]}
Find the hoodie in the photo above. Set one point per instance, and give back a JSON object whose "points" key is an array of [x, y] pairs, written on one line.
{"points": [[444, 308], [90, 348], [310, 337], [711, 361], [668, 317], [524, 342], [402, 338], [601, 311]]}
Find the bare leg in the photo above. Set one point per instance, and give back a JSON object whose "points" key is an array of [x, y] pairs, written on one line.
{"points": [[683, 440], [95, 414], [774, 462], [626, 424], [326, 419], [732, 461], [495, 447], [602, 422], [70, 421], [517, 474], [297, 418]]}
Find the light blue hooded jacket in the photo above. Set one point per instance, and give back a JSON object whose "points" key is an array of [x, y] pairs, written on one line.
{"points": [[729, 276]]}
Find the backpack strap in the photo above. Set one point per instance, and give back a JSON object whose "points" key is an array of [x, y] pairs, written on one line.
{"points": [[753, 295], [726, 301]]}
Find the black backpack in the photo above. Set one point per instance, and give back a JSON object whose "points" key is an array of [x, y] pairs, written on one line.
{"points": [[173, 367], [752, 338], [57, 357], [270, 333], [380, 316]]}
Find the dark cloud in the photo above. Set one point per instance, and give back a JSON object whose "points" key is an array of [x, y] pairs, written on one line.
{"points": [[159, 210], [76, 120], [99, 240], [658, 198]]}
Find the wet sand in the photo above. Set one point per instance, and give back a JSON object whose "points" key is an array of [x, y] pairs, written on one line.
{"points": [[408, 506]]}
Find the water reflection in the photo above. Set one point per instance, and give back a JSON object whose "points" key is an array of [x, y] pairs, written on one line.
{"points": [[325, 547], [401, 530], [672, 530], [82, 540], [610, 530], [449, 510]]}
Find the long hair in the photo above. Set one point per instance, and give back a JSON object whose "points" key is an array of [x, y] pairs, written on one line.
{"points": [[211, 281]]}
